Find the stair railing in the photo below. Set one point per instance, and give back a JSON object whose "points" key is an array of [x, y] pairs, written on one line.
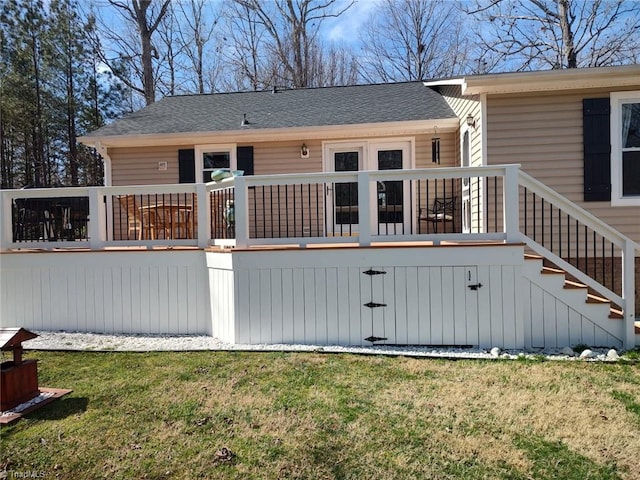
{"points": [[581, 244]]}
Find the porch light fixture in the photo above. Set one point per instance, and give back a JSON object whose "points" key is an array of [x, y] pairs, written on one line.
{"points": [[304, 151], [471, 122]]}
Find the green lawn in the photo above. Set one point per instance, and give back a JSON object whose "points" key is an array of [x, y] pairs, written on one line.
{"points": [[315, 416]]}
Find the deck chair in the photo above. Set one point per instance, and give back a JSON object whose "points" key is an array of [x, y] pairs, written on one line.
{"points": [[140, 224], [442, 212]]}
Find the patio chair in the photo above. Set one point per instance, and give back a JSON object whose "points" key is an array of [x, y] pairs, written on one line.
{"points": [[442, 212], [138, 222]]}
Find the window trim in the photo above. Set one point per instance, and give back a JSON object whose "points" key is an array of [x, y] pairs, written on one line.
{"points": [[617, 99], [231, 148]]}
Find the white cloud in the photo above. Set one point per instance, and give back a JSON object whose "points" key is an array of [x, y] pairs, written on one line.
{"points": [[345, 28]]}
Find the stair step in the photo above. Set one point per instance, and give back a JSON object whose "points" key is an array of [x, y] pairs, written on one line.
{"points": [[637, 326], [616, 314], [571, 284], [529, 256], [595, 299], [552, 271]]}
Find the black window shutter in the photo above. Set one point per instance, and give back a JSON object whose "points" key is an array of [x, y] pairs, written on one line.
{"points": [[245, 159], [187, 165], [597, 149]]}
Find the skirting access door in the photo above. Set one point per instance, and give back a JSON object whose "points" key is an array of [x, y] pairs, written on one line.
{"points": [[420, 305]]}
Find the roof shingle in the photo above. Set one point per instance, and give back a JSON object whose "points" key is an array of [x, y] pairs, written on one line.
{"points": [[350, 105]]}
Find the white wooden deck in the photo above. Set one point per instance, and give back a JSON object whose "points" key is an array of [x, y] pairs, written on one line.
{"points": [[291, 275]]}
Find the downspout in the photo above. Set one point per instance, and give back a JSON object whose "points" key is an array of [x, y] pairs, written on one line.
{"points": [[107, 180], [103, 151]]}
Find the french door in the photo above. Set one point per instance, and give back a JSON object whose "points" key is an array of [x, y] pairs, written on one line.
{"points": [[390, 212]]}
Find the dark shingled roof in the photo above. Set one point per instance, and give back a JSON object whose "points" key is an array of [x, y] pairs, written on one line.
{"points": [[352, 105]]}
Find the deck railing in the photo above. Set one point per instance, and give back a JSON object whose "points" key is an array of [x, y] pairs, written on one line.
{"points": [[355, 207], [374, 206], [498, 203]]}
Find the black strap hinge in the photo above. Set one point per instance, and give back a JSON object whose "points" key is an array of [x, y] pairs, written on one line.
{"points": [[374, 272], [375, 305], [374, 339]]}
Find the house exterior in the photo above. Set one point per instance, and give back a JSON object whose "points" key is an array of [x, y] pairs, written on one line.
{"points": [[564, 128], [348, 195]]}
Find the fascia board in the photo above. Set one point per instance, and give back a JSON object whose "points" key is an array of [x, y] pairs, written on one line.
{"points": [[570, 79], [276, 134]]}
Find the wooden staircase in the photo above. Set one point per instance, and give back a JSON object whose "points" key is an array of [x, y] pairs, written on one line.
{"points": [[561, 312]]}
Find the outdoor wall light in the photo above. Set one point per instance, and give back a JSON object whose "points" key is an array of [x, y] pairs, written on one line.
{"points": [[471, 122], [304, 151]]}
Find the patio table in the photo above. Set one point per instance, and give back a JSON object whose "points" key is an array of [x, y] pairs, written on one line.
{"points": [[173, 219]]}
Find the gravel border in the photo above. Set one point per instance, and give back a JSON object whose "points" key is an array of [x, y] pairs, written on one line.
{"points": [[69, 341]]}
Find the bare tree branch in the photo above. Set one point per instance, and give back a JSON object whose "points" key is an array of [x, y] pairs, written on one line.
{"points": [[534, 34]]}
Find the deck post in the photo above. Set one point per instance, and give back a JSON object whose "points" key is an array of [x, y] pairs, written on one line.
{"points": [[241, 206], [6, 227], [510, 204], [364, 209], [204, 226], [628, 293], [97, 215]]}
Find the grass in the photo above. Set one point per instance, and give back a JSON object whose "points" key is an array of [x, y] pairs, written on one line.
{"points": [[315, 416]]}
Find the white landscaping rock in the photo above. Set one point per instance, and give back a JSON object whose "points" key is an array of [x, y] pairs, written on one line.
{"points": [[612, 354], [568, 351], [587, 354], [73, 341]]}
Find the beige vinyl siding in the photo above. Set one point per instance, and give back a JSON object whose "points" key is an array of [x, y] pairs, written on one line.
{"points": [[139, 165], [271, 158], [464, 106], [543, 133]]}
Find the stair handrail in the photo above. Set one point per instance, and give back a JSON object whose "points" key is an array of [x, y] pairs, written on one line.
{"points": [[618, 239]]}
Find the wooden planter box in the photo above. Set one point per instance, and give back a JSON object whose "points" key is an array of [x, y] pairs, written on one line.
{"points": [[18, 383]]}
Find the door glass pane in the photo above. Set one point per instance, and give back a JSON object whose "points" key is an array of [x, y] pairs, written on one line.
{"points": [[346, 162], [390, 193], [390, 160], [346, 194]]}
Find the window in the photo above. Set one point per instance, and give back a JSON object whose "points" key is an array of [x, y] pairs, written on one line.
{"points": [[625, 148], [212, 161], [210, 158]]}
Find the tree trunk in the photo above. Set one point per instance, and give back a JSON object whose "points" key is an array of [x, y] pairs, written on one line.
{"points": [[37, 134], [148, 86], [71, 118], [569, 51]]}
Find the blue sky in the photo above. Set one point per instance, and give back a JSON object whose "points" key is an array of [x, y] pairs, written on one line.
{"points": [[344, 29]]}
